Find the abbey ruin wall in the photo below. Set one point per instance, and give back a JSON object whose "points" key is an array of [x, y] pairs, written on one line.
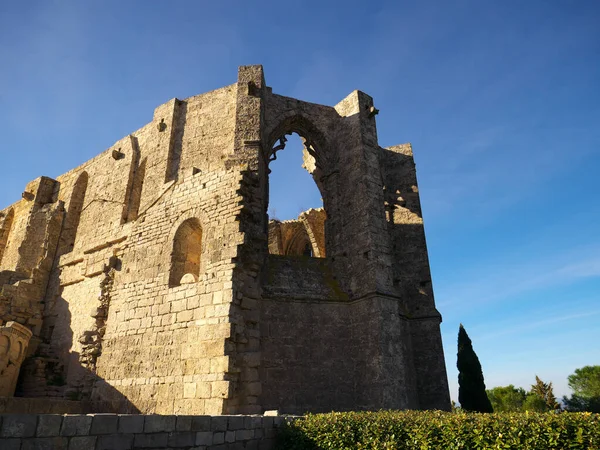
{"points": [[151, 279]]}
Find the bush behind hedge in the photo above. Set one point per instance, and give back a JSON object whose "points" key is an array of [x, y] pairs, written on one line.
{"points": [[386, 430]]}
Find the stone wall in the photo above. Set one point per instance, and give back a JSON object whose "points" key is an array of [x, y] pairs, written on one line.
{"points": [[124, 432], [145, 278]]}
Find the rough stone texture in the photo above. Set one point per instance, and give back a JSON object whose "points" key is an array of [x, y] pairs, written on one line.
{"points": [[19, 432], [151, 279]]}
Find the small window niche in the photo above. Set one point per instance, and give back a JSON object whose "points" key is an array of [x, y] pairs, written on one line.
{"points": [[186, 255]]}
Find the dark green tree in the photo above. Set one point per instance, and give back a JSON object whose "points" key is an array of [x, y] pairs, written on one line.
{"points": [[585, 383], [507, 398], [471, 387]]}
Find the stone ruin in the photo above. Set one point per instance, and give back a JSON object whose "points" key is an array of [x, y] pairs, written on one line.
{"points": [[150, 279]]}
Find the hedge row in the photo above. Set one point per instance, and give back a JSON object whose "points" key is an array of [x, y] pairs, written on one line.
{"points": [[385, 430]]}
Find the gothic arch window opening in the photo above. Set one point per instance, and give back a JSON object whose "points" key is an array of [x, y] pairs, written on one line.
{"points": [[294, 191]]}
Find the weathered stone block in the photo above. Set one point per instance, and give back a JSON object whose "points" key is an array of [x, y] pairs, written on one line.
{"points": [[82, 443], [244, 435], [182, 439], [206, 423], [131, 424], [47, 443], [230, 436], [218, 438], [10, 444], [76, 425], [184, 423], [48, 425], [151, 440], [104, 424], [204, 438], [155, 424], [18, 425], [114, 442], [252, 422], [236, 422], [219, 423]]}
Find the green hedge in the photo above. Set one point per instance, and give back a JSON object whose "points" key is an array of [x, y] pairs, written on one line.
{"points": [[422, 430]]}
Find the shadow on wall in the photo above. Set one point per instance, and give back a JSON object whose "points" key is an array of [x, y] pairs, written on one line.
{"points": [[405, 225], [60, 373]]}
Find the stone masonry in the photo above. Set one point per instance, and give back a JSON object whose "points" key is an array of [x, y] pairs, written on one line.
{"points": [[150, 278], [137, 432]]}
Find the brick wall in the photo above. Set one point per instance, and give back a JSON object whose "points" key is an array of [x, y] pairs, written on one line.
{"points": [[123, 432]]}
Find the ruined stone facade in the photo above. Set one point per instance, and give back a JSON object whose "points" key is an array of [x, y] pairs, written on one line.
{"points": [[150, 278]]}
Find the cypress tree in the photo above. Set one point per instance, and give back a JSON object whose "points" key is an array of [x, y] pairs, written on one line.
{"points": [[545, 393], [471, 387]]}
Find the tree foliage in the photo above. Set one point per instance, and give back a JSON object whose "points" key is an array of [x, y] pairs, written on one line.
{"points": [[471, 386], [534, 403], [541, 397], [585, 383], [507, 398], [511, 399]]}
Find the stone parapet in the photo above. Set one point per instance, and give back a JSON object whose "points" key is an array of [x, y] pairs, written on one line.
{"points": [[124, 432]]}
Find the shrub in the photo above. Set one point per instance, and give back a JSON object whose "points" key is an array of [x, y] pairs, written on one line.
{"points": [[386, 430]]}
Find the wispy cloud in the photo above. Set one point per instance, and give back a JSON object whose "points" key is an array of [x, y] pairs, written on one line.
{"points": [[492, 282], [532, 325]]}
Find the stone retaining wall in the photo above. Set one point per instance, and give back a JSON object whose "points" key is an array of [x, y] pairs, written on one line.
{"points": [[124, 432], [21, 405]]}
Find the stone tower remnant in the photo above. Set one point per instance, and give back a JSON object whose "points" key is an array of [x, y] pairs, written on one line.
{"points": [[151, 279]]}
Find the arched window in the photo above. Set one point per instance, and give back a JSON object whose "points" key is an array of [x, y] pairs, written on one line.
{"points": [[71, 223], [187, 250], [5, 226], [297, 242], [294, 188]]}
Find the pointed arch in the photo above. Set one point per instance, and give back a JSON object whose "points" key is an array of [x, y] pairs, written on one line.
{"points": [[315, 143], [71, 223], [320, 161], [298, 243], [5, 227], [187, 253]]}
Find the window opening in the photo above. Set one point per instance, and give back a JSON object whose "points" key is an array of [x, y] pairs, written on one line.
{"points": [[187, 252], [292, 192]]}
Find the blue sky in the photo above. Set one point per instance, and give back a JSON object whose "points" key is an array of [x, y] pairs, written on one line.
{"points": [[500, 99]]}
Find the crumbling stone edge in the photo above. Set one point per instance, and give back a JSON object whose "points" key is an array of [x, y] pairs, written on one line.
{"points": [[124, 432]]}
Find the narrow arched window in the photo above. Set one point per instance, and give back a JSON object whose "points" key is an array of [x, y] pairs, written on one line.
{"points": [[187, 251], [300, 169], [5, 226], [71, 223]]}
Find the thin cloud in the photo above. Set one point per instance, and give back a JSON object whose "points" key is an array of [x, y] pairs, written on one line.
{"points": [[504, 277], [540, 323]]}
